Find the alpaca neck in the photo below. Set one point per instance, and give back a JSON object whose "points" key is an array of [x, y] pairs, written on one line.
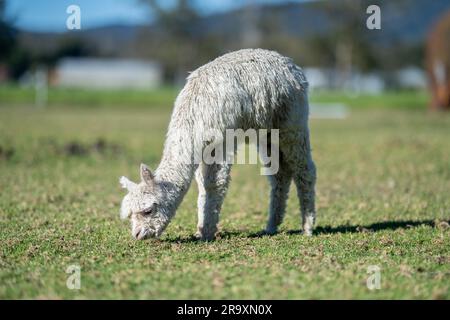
{"points": [[177, 167]]}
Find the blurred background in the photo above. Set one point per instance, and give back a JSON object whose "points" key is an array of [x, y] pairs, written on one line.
{"points": [[147, 44]]}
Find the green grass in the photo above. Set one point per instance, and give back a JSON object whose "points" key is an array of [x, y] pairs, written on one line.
{"points": [[161, 97], [382, 199], [389, 100], [164, 97]]}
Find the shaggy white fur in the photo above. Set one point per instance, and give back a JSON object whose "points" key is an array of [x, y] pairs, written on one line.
{"points": [[245, 89]]}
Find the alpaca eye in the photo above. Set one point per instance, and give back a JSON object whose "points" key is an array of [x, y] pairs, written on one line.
{"points": [[150, 210]]}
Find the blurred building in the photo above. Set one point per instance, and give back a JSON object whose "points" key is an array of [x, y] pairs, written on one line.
{"points": [[411, 78], [107, 73], [372, 83], [330, 78]]}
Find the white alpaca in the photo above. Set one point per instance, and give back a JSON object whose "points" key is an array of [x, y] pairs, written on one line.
{"points": [[246, 89]]}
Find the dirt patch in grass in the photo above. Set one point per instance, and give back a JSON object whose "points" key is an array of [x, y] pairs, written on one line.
{"points": [[99, 146], [6, 153]]}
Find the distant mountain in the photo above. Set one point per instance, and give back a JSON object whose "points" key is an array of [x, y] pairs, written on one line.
{"points": [[410, 20], [108, 40], [404, 22], [407, 21]]}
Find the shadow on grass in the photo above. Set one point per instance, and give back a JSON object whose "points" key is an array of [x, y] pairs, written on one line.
{"points": [[374, 227]]}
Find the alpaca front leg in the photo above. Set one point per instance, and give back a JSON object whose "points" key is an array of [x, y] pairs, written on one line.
{"points": [[212, 183]]}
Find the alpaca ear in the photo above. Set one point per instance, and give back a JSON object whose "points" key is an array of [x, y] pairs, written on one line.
{"points": [[127, 184], [125, 211], [146, 174]]}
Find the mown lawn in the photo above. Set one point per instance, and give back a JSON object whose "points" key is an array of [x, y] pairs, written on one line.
{"points": [[382, 198]]}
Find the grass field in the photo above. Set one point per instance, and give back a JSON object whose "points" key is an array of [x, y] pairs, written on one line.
{"points": [[382, 199], [164, 97]]}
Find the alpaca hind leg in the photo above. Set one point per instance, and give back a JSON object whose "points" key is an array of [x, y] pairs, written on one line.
{"points": [[304, 173], [280, 183], [295, 145]]}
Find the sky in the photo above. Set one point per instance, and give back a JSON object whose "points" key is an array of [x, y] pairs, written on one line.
{"points": [[50, 15]]}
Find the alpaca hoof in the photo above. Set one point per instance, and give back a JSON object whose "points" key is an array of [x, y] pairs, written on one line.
{"points": [[204, 237], [270, 231]]}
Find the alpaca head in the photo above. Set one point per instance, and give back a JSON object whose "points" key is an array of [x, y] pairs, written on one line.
{"points": [[145, 206]]}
